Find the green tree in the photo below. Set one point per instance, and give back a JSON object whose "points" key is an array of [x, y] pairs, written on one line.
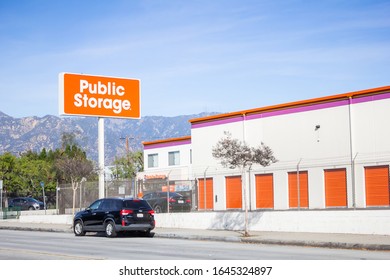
{"points": [[22, 175], [43, 154], [32, 172], [8, 165], [128, 166]]}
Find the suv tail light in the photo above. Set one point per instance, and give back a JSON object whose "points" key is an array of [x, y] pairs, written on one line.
{"points": [[171, 200], [151, 212], [188, 200], [125, 212]]}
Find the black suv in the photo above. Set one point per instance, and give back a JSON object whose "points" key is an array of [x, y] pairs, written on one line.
{"points": [[113, 215], [177, 202]]}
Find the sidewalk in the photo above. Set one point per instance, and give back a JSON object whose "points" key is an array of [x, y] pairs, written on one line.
{"points": [[342, 241]]}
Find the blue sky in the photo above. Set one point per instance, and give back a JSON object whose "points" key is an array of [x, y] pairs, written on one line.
{"points": [[193, 56]]}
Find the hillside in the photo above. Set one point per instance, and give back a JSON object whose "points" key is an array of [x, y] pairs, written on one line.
{"points": [[35, 133]]}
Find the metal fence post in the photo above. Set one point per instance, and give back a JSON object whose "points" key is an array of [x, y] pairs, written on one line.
{"points": [[299, 186], [204, 188], [57, 190]]}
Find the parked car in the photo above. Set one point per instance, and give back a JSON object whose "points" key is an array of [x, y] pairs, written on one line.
{"points": [[25, 203], [177, 202], [115, 215]]}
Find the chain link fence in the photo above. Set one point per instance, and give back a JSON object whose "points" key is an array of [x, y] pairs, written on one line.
{"points": [[187, 188], [71, 200]]}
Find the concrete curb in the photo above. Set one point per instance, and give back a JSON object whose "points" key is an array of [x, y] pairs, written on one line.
{"points": [[198, 237], [27, 228], [320, 244]]}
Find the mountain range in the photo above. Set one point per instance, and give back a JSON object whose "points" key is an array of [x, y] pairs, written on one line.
{"points": [[18, 135]]}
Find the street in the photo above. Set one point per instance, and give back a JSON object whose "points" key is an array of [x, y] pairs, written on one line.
{"points": [[26, 245]]}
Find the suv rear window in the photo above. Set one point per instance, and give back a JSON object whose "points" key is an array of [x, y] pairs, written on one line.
{"points": [[135, 204]]}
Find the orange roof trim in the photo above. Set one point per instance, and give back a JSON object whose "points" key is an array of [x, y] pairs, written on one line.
{"points": [[169, 140], [301, 103]]}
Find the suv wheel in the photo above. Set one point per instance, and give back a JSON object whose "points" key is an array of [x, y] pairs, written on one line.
{"points": [[78, 229], [157, 209], [110, 229]]}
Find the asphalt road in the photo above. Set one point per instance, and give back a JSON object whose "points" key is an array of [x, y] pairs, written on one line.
{"points": [[26, 245]]}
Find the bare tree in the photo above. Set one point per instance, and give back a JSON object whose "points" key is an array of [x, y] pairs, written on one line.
{"points": [[234, 153]]}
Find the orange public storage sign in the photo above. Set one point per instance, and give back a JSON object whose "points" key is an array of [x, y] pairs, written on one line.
{"points": [[88, 95]]}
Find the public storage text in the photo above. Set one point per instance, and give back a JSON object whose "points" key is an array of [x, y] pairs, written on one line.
{"points": [[87, 96]]}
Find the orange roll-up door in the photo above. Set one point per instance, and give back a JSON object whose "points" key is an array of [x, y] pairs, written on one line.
{"points": [[293, 189], [336, 187], [264, 191], [206, 194], [377, 185], [233, 192]]}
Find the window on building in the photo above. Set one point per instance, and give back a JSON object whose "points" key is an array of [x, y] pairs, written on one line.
{"points": [[153, 160], [174, 158]]}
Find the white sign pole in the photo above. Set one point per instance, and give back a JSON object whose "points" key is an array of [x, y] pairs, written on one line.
{"points": [[101, 156]]}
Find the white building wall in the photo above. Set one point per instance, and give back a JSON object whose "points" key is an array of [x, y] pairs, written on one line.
{"points": [[291, 136], [219, 193], [371, 129], [316, 190], [360, 189], [280, 190], [370, 134], [182, 171], [294, 136], [203, 141], [317, 137]]}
